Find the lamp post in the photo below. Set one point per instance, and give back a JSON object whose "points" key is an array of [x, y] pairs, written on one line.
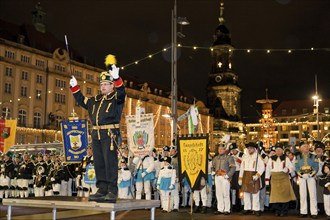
{"points": [[316, 110], [174, 83]]}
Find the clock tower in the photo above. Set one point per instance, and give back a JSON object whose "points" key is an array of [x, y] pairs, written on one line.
{"points": [[223, 91], [223, 96]]}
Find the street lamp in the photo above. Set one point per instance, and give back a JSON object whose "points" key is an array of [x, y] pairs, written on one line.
{"points": [[174, 84]]}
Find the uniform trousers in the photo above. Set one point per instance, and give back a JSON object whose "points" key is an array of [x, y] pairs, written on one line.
{"points": [[309, 183]]}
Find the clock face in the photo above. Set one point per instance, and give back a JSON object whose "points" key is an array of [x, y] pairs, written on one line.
{"points": [[218, 78]]}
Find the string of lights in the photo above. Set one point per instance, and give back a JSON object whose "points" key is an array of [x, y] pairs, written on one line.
{"points": [[246, 50]]}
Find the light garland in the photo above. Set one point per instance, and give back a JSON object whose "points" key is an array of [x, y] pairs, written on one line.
{"points": [[247, 50]]}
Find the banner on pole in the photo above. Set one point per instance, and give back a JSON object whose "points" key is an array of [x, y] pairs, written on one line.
{"points": [[140, 136], [7, 134], [75, 140], [193, 159]]}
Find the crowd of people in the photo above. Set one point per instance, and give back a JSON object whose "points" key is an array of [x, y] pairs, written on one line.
{"points": [[250, 181]]}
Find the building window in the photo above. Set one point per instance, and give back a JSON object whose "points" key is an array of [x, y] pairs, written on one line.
{"points": [[5, 113], [9, 71], [39, 78], [294, 128], [89, 77], [284, 128], [8, 88], [22, 118], [89, 91], [24, 91], [60, 83], [9, 54], [59, 98], [294, 111], [40, 63], [37, 120], [38, 94], [25, 59], [326, 110], [59, 68], [284, 111], [58, 120], [305, 110], [78, 73], [284, 136], [25, 75]]}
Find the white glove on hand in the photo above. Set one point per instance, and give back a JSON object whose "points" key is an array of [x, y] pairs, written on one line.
{"points": [[255, 178], [305, 176], [267, 183], [171, 186], [212, 173], [143, 174], [79, 176], [326, 185], [52, 179], [114, 72], [157, 187], [240, 182], [285, 170], [73, 81], [226, 177]]}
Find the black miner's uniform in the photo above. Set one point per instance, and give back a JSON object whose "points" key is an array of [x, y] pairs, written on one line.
{"points": [[105, 113]]}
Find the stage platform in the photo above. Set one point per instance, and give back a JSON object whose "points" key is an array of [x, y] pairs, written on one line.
{"points": [[68, 202]]}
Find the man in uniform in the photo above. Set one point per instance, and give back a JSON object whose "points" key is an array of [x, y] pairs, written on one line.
{"points": [[105, 113], [224, 167], [306, 167], [252, 168]]}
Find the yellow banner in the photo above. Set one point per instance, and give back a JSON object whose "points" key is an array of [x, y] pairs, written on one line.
{"points": [[7, 134], [193, 153]]}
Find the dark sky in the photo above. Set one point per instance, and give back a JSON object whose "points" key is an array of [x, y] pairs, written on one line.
{"points": [[132, 29]]}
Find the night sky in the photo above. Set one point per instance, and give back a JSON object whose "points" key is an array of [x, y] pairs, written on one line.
{"points": [[133, 29]]}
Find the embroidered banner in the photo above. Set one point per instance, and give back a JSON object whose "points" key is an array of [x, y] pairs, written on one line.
{"points": [[75, 140], [193, 157], [140, 136], [7, 134]]}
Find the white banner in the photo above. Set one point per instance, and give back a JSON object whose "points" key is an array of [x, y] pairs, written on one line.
{"points": [[140, 136]]}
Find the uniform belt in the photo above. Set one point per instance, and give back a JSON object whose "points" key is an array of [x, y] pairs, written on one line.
{"points": [[111, 126]]}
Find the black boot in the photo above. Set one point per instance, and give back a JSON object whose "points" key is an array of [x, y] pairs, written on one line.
{"points": [[110, 197], [204, 210], [196, 209], [98, 196]]}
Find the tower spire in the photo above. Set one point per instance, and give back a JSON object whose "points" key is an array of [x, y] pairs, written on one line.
{"points": [[222, 8]]}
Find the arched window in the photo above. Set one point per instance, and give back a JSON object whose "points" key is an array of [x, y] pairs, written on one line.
{"points": [[5, 113], [37, 120], [22, 118]]}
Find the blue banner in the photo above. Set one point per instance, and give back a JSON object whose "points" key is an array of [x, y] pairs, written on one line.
{"points": [[75, 140]]}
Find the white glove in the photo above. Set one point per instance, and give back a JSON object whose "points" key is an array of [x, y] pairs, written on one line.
{"points": [[285, 170], [114, 72], [52, 179], [79, 176], [226, 177], [73, 81], [143, 174], [305, 176], [240, 182], [255, 178], [267, 183], [34, 186], [157, 187], [326, 185], [212, 173], [171, 186]]}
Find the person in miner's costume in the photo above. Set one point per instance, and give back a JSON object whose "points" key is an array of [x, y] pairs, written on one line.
{"points": [[105, 112], [278, 169]]}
